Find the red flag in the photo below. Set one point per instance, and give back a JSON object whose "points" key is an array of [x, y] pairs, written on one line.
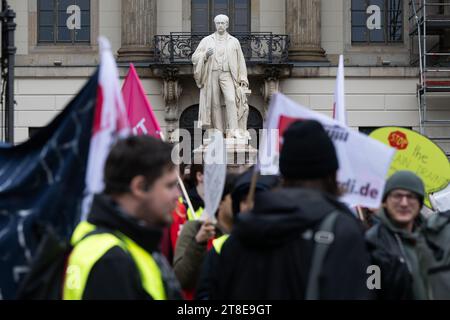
{"points": [[140, 113]]}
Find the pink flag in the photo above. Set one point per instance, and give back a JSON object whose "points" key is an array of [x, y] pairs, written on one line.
{"points": [[110, 123], [339, 112], [140, 114]]}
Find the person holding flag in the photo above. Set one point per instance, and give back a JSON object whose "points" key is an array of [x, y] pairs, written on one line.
{"points": [[115, 253], [133, 192]]}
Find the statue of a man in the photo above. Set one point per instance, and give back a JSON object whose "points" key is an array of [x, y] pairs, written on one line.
{"points": [[220, 71]]}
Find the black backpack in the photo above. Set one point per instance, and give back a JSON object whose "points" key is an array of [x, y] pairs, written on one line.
{"points": [[45, 279]]}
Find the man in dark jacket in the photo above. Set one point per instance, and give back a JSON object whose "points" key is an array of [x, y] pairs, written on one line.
{"points": [[437, 233], [396, 242], [271, 250], [239, 206], [115, 253]]}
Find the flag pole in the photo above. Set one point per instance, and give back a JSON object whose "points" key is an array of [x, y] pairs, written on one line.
{"points": [[360, 213], [250, 201], [181, 183]]}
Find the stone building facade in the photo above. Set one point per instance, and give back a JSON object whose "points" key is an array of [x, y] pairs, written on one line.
{"points": [[381, 83]]}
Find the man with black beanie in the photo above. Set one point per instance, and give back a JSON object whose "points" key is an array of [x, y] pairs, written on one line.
{"points": [[299, 241], [240, 207]]}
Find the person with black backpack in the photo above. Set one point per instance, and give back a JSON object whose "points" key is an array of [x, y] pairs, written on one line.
{"points": [[116, 252], [299, 241], [396, 241]]}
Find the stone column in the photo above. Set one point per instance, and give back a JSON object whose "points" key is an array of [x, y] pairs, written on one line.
{"points": [[303, 26], [138, 30]]}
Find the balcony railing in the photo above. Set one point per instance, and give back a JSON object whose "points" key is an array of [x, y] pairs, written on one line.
{"points": [[258, 47]]}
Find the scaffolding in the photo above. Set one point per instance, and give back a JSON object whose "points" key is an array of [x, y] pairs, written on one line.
{"points": [[429, 22], [7, 62]]}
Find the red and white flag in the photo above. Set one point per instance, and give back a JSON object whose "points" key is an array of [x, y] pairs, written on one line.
{"points": [[339, 111], [110, 123], [140, 113], [363, 161]]}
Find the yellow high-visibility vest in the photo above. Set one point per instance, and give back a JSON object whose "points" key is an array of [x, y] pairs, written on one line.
{"points": [[219, 242], [88, 251], [196, 215]]}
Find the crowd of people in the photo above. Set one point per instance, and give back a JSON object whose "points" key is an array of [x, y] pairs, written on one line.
{"points": [[289, 239]]}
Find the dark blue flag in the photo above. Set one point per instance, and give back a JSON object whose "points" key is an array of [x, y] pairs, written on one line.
{"points": [[42, 183]]}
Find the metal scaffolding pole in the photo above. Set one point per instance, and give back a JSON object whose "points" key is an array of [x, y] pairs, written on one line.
{"points": [[7, 62]]}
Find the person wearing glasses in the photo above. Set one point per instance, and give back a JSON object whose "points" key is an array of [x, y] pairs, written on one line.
{"points": [[396, 242]]}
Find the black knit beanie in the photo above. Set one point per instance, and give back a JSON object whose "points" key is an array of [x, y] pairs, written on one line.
{"points": [[307, 152]]}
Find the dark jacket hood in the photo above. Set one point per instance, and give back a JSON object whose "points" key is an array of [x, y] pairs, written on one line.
{"points": [[106, 213], [283, 215]]}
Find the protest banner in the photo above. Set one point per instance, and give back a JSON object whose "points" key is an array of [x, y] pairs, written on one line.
{"points": [[140, 113], [441, 200], [363, 161], [418, 154], [142, 119]]}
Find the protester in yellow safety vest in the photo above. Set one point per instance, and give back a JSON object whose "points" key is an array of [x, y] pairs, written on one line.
{"points": [[115, 253]]}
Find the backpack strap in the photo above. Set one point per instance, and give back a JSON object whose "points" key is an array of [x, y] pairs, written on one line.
{"points": [[323, 238]]}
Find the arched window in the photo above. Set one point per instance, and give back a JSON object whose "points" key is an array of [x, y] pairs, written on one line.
{"points": [[204, 11]]}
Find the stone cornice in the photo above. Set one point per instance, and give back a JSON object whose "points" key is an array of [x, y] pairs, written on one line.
{"points": [[185, 71]]}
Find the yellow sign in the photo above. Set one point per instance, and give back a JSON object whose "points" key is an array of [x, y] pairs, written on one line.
{"points": [[418, 154]]}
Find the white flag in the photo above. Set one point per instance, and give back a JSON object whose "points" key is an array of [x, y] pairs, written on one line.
{"points": [[363, 161], [110, 123], [215, 171], [339, 112]]}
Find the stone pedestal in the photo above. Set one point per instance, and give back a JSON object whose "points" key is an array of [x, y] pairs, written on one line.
{"points": [[239, 153]]}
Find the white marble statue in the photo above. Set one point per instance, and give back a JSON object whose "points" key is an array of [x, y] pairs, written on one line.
{"points": [[220, 73]]}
